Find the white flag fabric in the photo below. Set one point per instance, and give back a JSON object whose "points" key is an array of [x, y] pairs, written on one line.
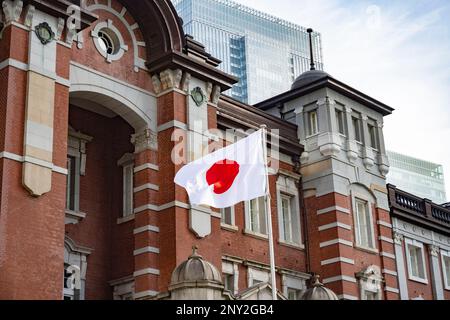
{"points": [[228, 176]]}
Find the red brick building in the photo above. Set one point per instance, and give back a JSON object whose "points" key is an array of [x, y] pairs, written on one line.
{"points": [[96, 103]]}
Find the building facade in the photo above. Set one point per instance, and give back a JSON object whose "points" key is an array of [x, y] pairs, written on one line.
{"points": [[266, 53], [101, 106], [422, 246], [422, 178]]}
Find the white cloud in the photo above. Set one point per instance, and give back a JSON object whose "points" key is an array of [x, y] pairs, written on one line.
{"points": [[392, 51]]}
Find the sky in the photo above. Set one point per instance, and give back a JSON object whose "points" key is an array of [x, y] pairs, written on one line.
{"points": [[398, 52]]}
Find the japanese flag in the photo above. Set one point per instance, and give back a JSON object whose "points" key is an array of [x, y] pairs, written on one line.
{"points": [[228, 176]]}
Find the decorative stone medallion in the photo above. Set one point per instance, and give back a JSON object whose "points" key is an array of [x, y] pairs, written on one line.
{"points": [[45, 33], [198, 96]]}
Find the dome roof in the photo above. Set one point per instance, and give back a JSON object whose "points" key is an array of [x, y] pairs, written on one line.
{"points": [[308, 77], [318, 292], [195, 269]]}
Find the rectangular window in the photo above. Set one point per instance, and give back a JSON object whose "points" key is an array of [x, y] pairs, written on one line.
{"points": [[71, 183], [293, 294], [446, 269], [290, 220], [363, 225], [128, 190], [373, 136], [357, 128], [228, 216], [340, 121], [371, 295], [228, 281], [416, 260], [257, 215], [313, 123]]}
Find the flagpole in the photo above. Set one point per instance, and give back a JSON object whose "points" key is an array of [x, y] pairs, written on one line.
{"points": [[268, 202]]}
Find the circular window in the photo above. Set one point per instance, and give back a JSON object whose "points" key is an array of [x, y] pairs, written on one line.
{"points": [[108, 41]]}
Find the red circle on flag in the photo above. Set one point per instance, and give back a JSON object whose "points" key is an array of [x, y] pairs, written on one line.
{"points": [[222, 175]]}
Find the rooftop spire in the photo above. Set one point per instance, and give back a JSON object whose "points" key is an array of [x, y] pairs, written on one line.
{"points": [[313, 65]]}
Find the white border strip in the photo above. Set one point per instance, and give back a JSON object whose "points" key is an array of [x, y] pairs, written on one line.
{"points": [[172, 124], [331, 209], [146, 250], [386, 239], [146, 271], [393, 290], [336, 241], [339, 278], [147, 186], [148, 228], [148, 293], [384, 224], [337, 260], [392, 273], [335, 225], [387, 255], [21, 159], [146, 166]]}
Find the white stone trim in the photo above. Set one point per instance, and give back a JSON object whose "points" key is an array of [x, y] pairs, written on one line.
{"points": [[336, 241], [148, 228], [391, 272], [166, 206], [331, 209], [104, 75], [146, 250], [125, 219], [337, 260], [347, 297], [386, 239], [147, 186], [21, 159], [393, 290], [339, 278], [387, 255], [172, 124], [335, 225], [146, 271], [384, 224], [151, 207], [148, 293], [146, 166]]}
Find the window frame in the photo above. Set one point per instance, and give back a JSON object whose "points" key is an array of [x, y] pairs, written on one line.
{"points": [[126, 162], [445, 255], [232, 216], [373, 135], [312, 125], [368, 205], [340, 121], [248, 218], [420, 245], [357, 130], [286, 188]]}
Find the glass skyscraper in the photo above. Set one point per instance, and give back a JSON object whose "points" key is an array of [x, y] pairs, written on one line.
{"points": [[421, 178], [265, 52]]}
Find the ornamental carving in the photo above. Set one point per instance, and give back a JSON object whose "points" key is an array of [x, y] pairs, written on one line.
{"points": [[398, 238], [44, 33], [145, 140]]}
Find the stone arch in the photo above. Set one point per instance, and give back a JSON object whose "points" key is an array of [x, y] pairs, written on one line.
{"points": [[138, 112], [361, 189], [160, 26]]}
